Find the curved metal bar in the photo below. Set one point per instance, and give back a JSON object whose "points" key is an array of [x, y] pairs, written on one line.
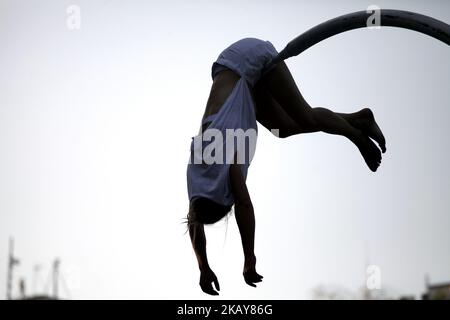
{"points": [[388, 18]]}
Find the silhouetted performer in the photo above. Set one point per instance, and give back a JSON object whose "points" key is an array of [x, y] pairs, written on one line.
{"points": [[276, 104], [251, 84]]}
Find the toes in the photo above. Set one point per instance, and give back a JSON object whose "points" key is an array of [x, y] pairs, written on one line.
{"points": [[373, 156]]}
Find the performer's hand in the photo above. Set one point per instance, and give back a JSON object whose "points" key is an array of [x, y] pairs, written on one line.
{"points": [[250, 275], [207, 276]]}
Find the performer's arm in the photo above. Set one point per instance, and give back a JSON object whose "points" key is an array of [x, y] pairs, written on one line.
{"points": [[245, 218], [198, 240], [207, 276]]}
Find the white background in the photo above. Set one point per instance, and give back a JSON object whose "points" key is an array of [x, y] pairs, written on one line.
{"points": [[95, 127]]}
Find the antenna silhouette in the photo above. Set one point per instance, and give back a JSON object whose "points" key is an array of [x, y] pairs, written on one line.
{"points": [[12, 262]]}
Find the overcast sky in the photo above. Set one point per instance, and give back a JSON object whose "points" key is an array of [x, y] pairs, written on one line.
{"points": [[95, 128]]}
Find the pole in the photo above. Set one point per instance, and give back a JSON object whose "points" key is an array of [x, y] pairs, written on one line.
{"points": [[12, 261], [55, 278]]}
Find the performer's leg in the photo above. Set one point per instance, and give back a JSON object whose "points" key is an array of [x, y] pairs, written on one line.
{"points": [[282, 88], [270, 114]]}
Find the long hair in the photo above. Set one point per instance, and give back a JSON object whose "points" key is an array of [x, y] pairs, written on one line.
{"points": [[206, 211]]}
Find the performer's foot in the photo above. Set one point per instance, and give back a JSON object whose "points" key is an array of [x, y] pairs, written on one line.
{"points": [[367, 124], [370, 152]]}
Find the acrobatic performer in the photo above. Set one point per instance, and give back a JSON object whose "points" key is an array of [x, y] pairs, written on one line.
{"points": [[251, 84]]}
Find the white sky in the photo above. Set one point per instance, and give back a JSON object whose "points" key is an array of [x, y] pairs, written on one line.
{"points": [[95, 127]]}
